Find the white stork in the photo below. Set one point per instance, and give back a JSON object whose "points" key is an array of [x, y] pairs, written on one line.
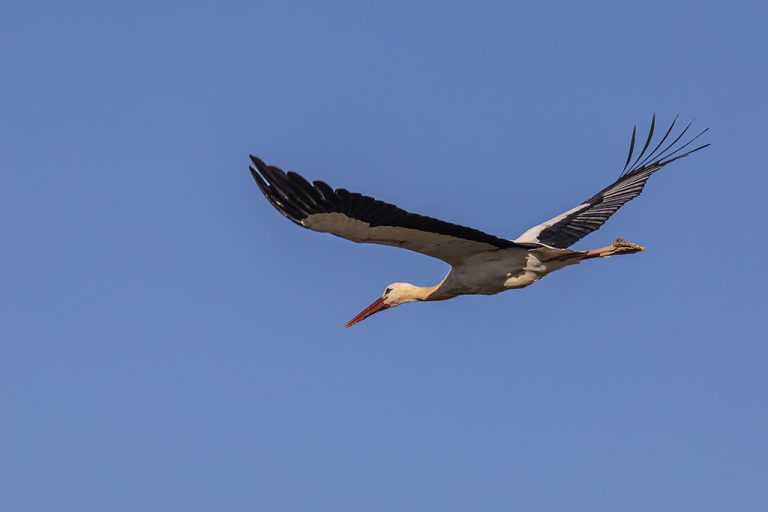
{"points": [[480, 263]]}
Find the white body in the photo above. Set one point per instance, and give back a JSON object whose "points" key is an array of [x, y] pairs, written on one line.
{"points": [[489, 273]]}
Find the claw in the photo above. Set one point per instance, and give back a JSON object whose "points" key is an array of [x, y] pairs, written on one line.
{"points": [[621, 246]]}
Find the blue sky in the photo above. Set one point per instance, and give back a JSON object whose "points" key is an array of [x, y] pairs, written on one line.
{"points": [[169, 342]]}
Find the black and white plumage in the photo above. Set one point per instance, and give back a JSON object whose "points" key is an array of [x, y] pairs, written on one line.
{"points": [[481, 263], [360, 218], [568, 228]]}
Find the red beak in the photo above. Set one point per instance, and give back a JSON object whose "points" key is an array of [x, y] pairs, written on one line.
{"points": [[378, 305]]}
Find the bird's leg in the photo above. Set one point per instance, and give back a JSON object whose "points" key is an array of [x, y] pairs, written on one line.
{"points": [[620, 246]]}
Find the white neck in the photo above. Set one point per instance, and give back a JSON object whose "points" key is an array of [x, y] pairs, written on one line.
{"points": [[414, 293]]}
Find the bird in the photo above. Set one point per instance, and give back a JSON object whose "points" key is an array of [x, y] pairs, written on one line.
{"points": [[481, 264]]}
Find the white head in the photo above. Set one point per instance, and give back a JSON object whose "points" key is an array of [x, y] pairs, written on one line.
{"points": [[394, 295]]}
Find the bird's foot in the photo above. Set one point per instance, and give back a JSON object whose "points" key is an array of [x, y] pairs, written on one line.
{"points": [[620, 246]]}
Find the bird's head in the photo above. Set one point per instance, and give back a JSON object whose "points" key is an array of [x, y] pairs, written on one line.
{"points": [[394, 295]]}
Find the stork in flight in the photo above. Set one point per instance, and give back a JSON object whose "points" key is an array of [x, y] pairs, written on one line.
{"points": [[480, 263]]}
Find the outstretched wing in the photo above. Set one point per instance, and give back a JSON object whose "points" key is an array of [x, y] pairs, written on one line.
{"points": [[364, 219], [571, 226]]}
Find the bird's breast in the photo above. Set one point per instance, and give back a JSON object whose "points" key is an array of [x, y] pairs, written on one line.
{"points": [[490, 273]]}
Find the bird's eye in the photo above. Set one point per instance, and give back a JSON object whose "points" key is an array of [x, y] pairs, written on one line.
{"points": [[387, 291]]}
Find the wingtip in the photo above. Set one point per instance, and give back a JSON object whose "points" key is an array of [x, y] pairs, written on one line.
{"points": [[647, 141], [660, 157], [258, 162], [631, 147]]}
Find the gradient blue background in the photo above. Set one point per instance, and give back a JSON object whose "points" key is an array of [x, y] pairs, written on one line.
{"points": [[169, 342]]}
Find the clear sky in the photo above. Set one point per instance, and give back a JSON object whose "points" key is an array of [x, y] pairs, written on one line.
{"points": [[169, 342]]}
